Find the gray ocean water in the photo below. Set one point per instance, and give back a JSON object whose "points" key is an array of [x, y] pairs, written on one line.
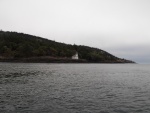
{"points": [[74, 88]]}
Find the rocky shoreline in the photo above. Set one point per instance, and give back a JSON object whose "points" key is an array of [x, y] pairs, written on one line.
{"points": [[48, 59]]}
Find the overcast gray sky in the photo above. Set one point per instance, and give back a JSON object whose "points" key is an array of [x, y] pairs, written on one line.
{"points": [[120, 27]]}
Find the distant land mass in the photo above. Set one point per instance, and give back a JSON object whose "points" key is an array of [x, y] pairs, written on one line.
{"points": [[20, 47]]}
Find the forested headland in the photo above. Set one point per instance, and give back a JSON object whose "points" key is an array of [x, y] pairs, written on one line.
{"points": [[20, 47]]}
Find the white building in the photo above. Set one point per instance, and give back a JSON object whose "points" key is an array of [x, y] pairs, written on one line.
{"points": [[75, 56]]}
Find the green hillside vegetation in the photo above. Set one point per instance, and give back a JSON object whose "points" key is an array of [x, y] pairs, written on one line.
{"points": [[15, 45]]}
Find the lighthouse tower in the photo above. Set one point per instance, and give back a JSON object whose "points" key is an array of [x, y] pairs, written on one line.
{"points": [[76, 57]]}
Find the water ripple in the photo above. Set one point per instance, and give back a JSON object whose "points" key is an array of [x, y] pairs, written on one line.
{"points": [[74, 88]]}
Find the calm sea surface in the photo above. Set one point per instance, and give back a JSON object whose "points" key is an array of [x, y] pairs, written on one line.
{"points": [[74, 88]]}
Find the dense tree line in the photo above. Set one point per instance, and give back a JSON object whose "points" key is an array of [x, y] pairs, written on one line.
{"points": [[19, 45]]}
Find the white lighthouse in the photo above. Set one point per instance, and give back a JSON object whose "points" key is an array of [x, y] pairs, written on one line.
{"points": [[75, 56]]}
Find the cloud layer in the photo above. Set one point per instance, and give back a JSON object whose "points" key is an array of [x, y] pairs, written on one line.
{"points": [[118, 26]]}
